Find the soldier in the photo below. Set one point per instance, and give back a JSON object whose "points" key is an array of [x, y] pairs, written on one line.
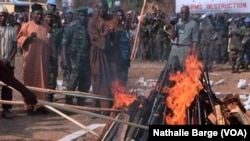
{"points": [[48, 22], [162, 43], [75, 56], [208, 37], [246, 43], [57, 33], [221, 41], [69, 18], [235, 46]]}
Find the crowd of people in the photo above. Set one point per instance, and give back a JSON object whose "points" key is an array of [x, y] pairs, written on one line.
{"points": [[94, 48]]}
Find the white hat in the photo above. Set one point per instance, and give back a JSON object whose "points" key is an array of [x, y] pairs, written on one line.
{"points": [[3, 9], [52, 2]]}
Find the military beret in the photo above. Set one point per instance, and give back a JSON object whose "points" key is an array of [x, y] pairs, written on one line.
{"points": [[48, 12], [82, 9]]}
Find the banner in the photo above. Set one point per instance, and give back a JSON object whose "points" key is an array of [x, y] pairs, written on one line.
{"points": [[215, 6]]}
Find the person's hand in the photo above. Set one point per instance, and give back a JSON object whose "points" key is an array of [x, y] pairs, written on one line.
{"points": [[30, 98]]}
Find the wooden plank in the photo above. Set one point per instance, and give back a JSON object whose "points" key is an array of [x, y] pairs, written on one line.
{"points": [[219, 117]]}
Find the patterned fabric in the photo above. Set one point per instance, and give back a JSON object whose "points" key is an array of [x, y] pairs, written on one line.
{"points": [[8, 36]]}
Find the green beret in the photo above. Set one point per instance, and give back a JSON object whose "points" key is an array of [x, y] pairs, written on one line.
{"points": [[48, 12], [82, 9]]}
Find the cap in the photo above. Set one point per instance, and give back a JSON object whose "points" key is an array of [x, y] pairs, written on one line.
{"points": [[52, 2], [82, 9], [48, 12], [3, 9], [36, 6]]}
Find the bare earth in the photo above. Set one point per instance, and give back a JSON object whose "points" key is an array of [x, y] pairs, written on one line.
{"points": [[53, 127]]}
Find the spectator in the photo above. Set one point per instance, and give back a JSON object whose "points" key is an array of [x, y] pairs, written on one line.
{"points": [[103, 53], [33, 39], [8, 49], [185, 39]]}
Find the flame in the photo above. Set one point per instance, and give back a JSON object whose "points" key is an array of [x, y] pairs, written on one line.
{"points": [[187, 86], [121, 98]]}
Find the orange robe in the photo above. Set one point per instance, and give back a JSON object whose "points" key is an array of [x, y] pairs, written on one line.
{"points": [[36, 57]]}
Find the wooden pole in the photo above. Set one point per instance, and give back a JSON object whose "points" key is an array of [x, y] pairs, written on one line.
{"points": [[65, 105], [71, 119], [69, 109], [73, 93], [136, 40], [85, 94]]}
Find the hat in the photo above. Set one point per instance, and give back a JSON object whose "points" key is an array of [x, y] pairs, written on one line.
{"points": [[82, 9], [70, 11], [3, 9], [52, 2], [48, 12], [36, 6]]}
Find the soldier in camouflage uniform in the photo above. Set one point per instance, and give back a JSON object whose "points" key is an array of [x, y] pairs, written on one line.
{"points": [[76, 57], [162, 43], [207, 31], [235, 46], [57, 33], [221, 41]]}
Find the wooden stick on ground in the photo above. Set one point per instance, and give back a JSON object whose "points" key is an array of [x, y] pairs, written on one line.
{"points": [[71, 119], [54, 110], [69, 109]]}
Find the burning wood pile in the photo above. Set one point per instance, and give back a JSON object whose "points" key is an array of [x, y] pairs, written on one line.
{"points": [[180, 98]]}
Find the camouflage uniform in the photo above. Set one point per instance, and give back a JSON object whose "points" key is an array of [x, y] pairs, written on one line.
{"points": [[221, 42], [162, 43], [53, 74], [235, 47], [77, 57], [207, 42]]}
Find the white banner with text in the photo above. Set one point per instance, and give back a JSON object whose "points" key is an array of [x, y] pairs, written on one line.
{"points": [[215, 6]]}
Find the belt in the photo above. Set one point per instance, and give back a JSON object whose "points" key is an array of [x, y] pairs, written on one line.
{"points": [[181, 44]]}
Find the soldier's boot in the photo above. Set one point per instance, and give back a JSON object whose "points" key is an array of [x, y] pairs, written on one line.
{"points": [[246, 67], [233, 69], [50, 97], [80, 101], [237, 70], [68, 100]]}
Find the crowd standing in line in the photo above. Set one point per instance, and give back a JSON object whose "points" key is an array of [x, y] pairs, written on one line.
{"points": [[95, 47]]}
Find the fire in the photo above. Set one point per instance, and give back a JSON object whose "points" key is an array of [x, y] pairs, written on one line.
{"points": [[121, 98], [187, 86]]}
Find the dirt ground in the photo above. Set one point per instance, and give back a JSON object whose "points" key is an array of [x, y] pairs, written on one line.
{"points": [[54, 127]]}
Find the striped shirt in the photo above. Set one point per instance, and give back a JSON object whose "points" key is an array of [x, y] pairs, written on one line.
{"points": [[7, 37]]}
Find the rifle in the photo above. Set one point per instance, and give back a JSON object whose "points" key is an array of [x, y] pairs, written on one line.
{"points": [[153, 107]]}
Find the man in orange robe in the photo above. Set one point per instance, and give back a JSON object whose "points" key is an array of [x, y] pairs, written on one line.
{"points": [[33, 39]]}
